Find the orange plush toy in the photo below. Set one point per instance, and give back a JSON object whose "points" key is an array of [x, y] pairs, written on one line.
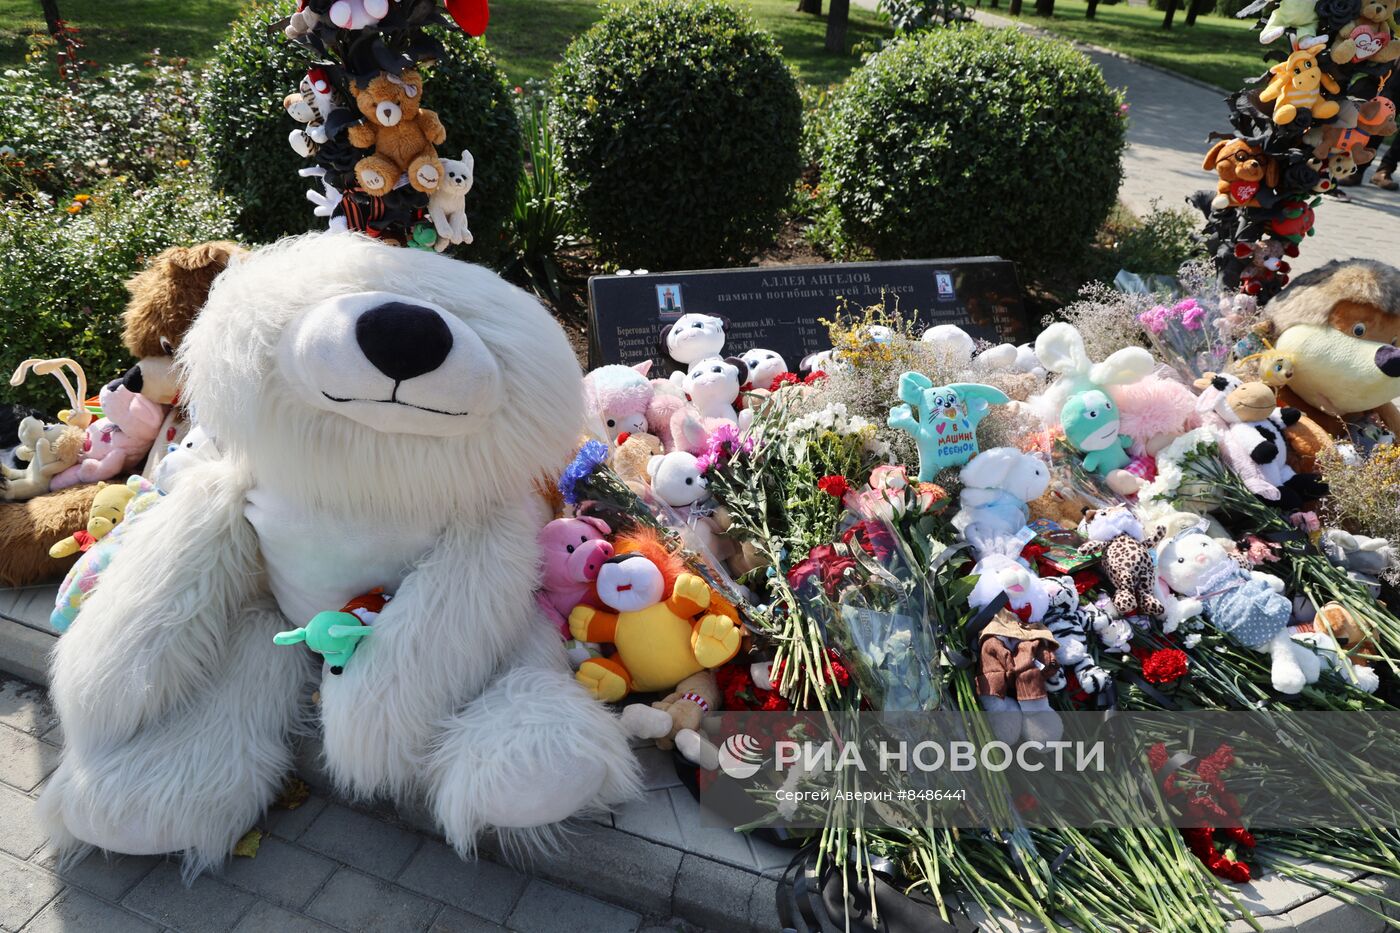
{"points": [[1297, 84], [403, 136], [667, 624]]}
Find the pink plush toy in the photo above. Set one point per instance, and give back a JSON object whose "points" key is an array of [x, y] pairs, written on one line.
{"points": [[573, 551], [1154, 412], [619, 397], [117, 442]]}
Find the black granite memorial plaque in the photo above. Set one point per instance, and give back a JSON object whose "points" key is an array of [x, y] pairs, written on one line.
{"points": [[780, 308]]}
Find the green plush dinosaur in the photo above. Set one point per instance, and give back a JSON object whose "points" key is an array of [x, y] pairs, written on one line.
{"points": [[333, 635], [1091, 423]]}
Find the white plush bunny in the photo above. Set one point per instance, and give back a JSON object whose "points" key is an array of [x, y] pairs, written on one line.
{"points": [[997, 484], [1249, 606]]}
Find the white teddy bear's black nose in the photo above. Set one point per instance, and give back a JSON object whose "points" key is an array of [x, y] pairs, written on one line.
{"points": [[403, 340]]}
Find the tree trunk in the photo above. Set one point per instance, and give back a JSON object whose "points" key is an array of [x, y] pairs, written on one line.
{"points": [[1193, 8], [838, 16], [810, 6], [1093, 9], [1015, 8], [1044, 7], [1171, 14], [52, 18]]}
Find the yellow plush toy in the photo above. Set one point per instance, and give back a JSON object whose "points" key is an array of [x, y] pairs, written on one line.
{"points": [[108, 510], [666, 623], [1339, 325], [1297, 84]]}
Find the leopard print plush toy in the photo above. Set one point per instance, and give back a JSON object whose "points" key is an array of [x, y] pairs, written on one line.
{"points": [[1117, 536]]}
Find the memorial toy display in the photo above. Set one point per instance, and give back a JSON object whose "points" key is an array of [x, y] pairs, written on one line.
{"points": [[165, 297]]}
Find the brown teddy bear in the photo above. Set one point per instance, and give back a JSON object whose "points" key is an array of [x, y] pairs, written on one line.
{"points": [[401, 133], [1369, 37], [165, 298]]}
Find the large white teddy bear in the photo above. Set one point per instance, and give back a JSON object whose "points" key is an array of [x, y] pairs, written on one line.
{"points": [[383, 414]]}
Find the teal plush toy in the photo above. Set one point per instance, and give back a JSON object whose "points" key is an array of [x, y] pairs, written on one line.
{"points": [[336, 635], [1091, 424], [1086, 411], [333, 635], [942, 419]]}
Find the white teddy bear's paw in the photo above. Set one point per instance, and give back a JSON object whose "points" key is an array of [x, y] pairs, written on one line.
{"points": [[1364, 679]]}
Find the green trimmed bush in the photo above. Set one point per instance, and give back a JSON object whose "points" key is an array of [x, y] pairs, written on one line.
{"points": [[63, 138], [244, 129], [962, 142], [62, 268], [679, 129]]}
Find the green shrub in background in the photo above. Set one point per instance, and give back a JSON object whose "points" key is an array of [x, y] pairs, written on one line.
{"points": [[62, 138], [61, 273], [960, 142], [540, 222], [244, 129], [679, 128], [1159, 243]]}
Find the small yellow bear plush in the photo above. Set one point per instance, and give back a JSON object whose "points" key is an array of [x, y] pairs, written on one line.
{"points": [[403, 136], [108, 510]]}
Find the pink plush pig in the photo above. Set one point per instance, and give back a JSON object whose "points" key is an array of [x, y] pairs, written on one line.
{"points": [[573, 550], [118, 442]]}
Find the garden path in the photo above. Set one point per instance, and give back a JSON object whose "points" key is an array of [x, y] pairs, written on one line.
{"points": [[1169, 120]]}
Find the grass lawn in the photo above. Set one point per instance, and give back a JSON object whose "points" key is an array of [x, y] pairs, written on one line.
{"points": [[527, 36], [116, 31], [1220, 51]]}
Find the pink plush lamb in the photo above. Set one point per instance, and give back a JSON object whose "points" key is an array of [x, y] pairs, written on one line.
{"points": [[118, 442], [619, 397]]}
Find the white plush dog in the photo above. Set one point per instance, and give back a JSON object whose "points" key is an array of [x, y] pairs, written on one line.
{"points": [[447, 205], [383, 415]]}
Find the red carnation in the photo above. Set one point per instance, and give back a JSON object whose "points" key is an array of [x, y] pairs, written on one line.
{"points": [[814, 377], [1164, 666], [783, 379], [834, 485]]}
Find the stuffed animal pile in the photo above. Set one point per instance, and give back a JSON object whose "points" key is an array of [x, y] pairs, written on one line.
{"points": [[1311, 121], [360, 117], [136, 418]]}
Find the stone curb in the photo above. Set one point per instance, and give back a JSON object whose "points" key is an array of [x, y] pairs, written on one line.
{"points": [[661, 881]]}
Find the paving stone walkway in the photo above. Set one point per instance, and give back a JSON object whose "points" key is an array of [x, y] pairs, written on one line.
{"points": [[321, 867]]}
